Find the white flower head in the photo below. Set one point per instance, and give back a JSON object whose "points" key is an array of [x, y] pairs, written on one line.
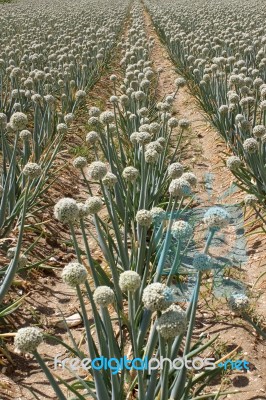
{"points": [[175, 170], [202, 262], [157, 296], [97, 170], [103, 296], [32, 170], [172, 322], [181, 230], [130, 174], [18, 121], [66, 210], [180, 187], [129, 281], [28, 339], [80, 162], [216, 218], [94, 204], [233, 163], [92, 137], [109, 179], [74, 274], [144, 218]]}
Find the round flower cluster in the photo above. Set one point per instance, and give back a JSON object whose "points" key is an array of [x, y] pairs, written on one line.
{"points": [[155, 146], [175, 170], [180, 187], [151, 156], [80, 95], [103, 296], [92, 137], [94, 204], [250, 200], [18, 121], [154, 128], [97, 170], [25, 134], [223, 110], [172, 122], [216, 218], [184, 124], [129, 281], [83, 210], [180, 82], [158, 214], [259, 131], [66, 210], [233, 163], [181, 230], [32, 170], [157, 296], [107, 117], [172, 322], [62, 128], [109, 179], [69, 118], [250, 145], [94, 112], [238, 303], [3, 121], [190, 178], [130, 174], [80, 162], [143, 138], [28, 339], [144, 218], [202, 262], [74, 274]]}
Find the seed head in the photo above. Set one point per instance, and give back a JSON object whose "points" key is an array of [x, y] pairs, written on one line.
{"points": [[66, 210], [172, 322], [18, 121], [103, 296], [74, 274], [216, 218], [80, 162], [28, 339], [157, 296], [94, 204], [97, 170], [175, 170], [32, 170], [129, 281]]}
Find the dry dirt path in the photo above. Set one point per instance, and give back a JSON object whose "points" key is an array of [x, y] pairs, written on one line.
{"points": [[203, 153]]}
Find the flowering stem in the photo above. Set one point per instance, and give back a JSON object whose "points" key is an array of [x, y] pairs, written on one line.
{"points": [[208, 242], [179, 383], [134, 340], [72, 230], [12, 269], [165, 372], [99, 383], [49, 375], [88, 253]]}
